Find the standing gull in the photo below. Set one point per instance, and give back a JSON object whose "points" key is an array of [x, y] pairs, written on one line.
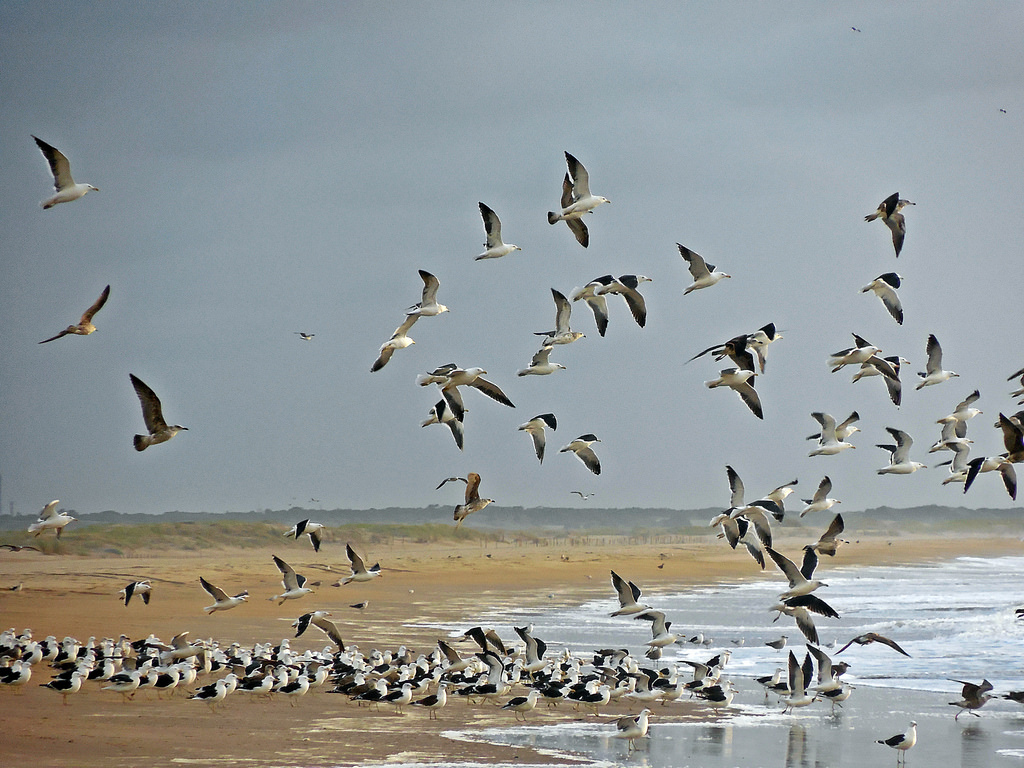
{"points": [[152, 413], [84, 326], [704, 274], [889, 211], [495, 248], [576, 200], [632, 728], [222, 601], [51, 520], [64, 186], [933, 373], [884, 287], [581, 447], [901, 742], [535, 428]]}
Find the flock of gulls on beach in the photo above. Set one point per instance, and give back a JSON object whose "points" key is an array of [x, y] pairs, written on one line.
{"points": [[521, 676]]}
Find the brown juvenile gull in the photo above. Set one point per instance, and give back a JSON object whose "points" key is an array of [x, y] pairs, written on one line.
{"points": [[873, 637], [473, 501], [84, 326], [65, 188], [974, 696], [152, 413]]}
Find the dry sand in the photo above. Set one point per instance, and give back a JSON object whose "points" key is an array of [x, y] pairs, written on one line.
{"points": [[446, 584]]}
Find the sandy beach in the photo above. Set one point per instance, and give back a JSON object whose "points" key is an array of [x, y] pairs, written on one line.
{"points": [[446, 584]]}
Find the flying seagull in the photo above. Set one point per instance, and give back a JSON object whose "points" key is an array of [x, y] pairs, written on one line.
{"points": [[820, 502], [495, 248], [64, 186], [576, 200], [591, 293], [901, 742], [309, 528], [221, 600], [294, 584], [855, 355], [305, 336], [540, 365], [84, 326], [933, 368], [399, 340], [884, 287], [51, 520], [581, 447], [319, 620], [442, 413], [873, 637], [626, 286], [141, 588], [704, 274], [428, 306], [829, 441], [562, 333], [889, 211], [535, 428], [359, 570], [473, 501], [450, 377], [740, 382], [629, 595], [899, 454], [152, 413]]}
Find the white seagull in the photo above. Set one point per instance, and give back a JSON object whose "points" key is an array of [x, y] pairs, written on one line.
{"points": [[51, 520], [581, 447], [901, 742], [899, 454], [428, 306], [591, 293], [820, 502], [399, 340], [964, 410], [64, 186], [309, 528], [889, 211], [305, 336], [884, 287], [829, 442], [359, 570], [740, 382], [629, 595], [632, 728], [855, 355], [319, 620], [535, 428], [221, 600], [495, 248], [294, 584], [704, 274], [799, 676], [540, 365], [84, 326], [933, 368], [442, 413], [450, 377], [626, 286], [800, 581], [562, 333], [152, 413], [576, 200], [141, 588], [659, 628]]}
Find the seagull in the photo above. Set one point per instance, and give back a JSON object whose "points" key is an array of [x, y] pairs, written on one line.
{"points": [[84, 326], [974, 696], [884, 287], [591, 293], [305, 336], [399, 340], [854, 355], [799, 676], [359, 570], [628, 594], [829, 541], [442, 413], [434, 702], [632, 728], [66, 686], [626, 286], [1013, 437], [450, 377], [581, 494], [873, 637], [901, 741], [428, 306], [779, 644], [576, 200], [492, 227], [473, 501], [740, 382], [963, 411], [309, 528], [581, 447], [899, 461], [800, 608], [221, 601], [520, 705], [539, 365], [829, 442], [759, 340], [820, 502], [19, 547], [535, 428], [562, 333], [661, 636], [933, 368], [294, 584], [50, 519], [889, 369], [889, 211], [959, 467], [319, 620], [999, 464], [704, 274], [64, 186], [152, 414], [141, 588], [800, 581]]}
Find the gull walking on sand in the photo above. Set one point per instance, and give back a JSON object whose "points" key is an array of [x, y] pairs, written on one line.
{"points": [[65, 188], [435, 702], [901, 742], [576, 200], [581, 447], [84, 326], [51, 520], [495, 248], [704, 275], [152, 414], [889, 212], [535, 428], [221, 600]]}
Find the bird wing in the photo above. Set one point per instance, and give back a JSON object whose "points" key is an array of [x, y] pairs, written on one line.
{"points": [[291, 579], [50, 510], [824, 489], [407, 324], [628, 592], [903, 443], [449, 480], [698, 268], [491, 390], [934, 350], [96, 306], [828, 426], [472, 487], [749, 396], [814, 604], [355, 560], [589, 458], [541, 356], [430, 286], [735, 486], [834, 529], [599, 306], [217, 593], [59, 165], [492, 226], [875, 637], [579, 231], [562, 311], [810, 563], [152, 413], [637, 305], [787, 566], [580, 177], [330, 629]]}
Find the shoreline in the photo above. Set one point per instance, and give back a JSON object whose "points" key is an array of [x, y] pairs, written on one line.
{"points": [[443, 583]]}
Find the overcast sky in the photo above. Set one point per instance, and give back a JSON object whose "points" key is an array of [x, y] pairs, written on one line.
{"points": [[272, 168]]}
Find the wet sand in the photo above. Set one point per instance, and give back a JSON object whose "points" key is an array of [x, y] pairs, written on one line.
{"points": [[445, 584]]}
